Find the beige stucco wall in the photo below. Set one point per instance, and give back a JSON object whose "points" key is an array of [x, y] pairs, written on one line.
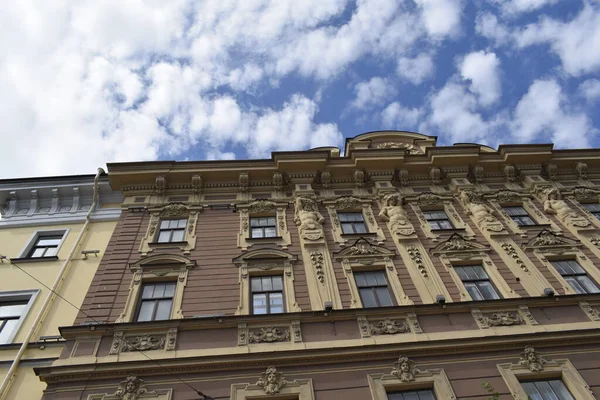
{"points": [[27, 386]]}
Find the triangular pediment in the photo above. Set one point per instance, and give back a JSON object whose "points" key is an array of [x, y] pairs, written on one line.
{"points": [[363, 248], [458, 244], [549, 239]]}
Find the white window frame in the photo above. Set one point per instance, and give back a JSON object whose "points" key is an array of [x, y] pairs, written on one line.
{"points": [[39, 234], [19, 295]]}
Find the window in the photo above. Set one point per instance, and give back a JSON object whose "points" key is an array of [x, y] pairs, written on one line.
{"points": [[45, 246], [267, 294], [547, 390], [477, 282], [10, 314], [352, 222], [426, 394], [576, 276], [519, 215], [594, 209], [172, 230], [156, 301], [373, 289], [263, 227], [438, 220]]}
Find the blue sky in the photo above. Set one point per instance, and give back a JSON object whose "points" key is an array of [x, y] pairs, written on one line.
{"points": [[83, 83]]}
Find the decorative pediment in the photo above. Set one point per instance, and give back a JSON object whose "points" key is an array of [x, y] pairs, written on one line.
{"points": [[174, 210], [348, 203], [362, 247], [508, 196], [458, 244], [261, 205], [429, 199], [133, 388], [549, 239], [585, 194], [264, 256], [163, 260]]}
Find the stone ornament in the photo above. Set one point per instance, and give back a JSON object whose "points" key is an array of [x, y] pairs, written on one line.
{"points": [[503, 318], [404, 369], [174, 210], [512, 252], [458, 243], [243, 181], [395, 215], [591, 312], [308, 218], [532, 360], [130, 389], [389, 326], [510, 172], [277, 181], [415, 255], [269, 335], [582, 170], [317, 259], [508, 196], [585, 194], [474, 203], [348, 203], [325, 179], [261, 205], [429, 199], [143, 343], [549, 238], [410, 148], [271, 381], [554, 205]]}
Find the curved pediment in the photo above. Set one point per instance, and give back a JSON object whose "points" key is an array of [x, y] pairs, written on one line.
{"points": [[458, 244], [411, 142], [363, 248], [163, 260], [258, 255]]}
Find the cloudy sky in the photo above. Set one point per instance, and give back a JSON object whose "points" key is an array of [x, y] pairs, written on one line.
{"points": [[83, 82]]}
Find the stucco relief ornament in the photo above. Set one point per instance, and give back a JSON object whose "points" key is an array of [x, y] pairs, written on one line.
{"points": [[404, 369], [532, 360], [347, 203], [271, 381], [508, 196], [316, 257], [308, 218], [586, 194], [174, 210], [503, 319], [394, 213], [261, 205], [481, 212], [362, 247], [555, 205], [269, 335], [455, 242], [144, 343], [429, 199], [389, 327], [410, 148], [130, 389]]}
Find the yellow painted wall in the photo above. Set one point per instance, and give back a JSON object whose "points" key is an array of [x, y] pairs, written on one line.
{"points": [[26, 386]]}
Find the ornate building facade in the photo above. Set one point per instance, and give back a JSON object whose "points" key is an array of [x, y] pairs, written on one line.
{"points": [[400, 270], [53, 232]]}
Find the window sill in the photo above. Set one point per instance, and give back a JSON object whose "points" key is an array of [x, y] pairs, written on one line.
{"points": [[358, 235], [536, 226], [167, 244], [453, 230], [264, 239], [35, 259]]}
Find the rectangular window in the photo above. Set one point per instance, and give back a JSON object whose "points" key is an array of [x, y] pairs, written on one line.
{"points": [[519, 215], [553, 389], [45, 246], [438, 220], [10, 314], [426, 394], [172, 230], [263, 227], [477, 282], [267, 294], [352, 223], [594, 209], [156, 301], [373, 289], [576, 276]]}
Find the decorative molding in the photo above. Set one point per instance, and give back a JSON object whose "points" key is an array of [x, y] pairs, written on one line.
{"points": [[410, 148], [555, 205], [504, 318], [417, 258], [394, 214], [316, 257], [482, 214], [404, 369], [271, 381], [363, 248], [308, 218], [133, 388], [591, 312], [429, 199], [457, 243], [389, 326], [143, 343], [532, 360], [260, 207], [504, 196], [511, 251], [268, 335], [170, 211], [585, 194], [547, 238]]}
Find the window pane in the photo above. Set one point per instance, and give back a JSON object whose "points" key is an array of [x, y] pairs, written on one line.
{"points": [[178, 236], [8, 329], [383, 295], [575, 266], [38, 253], [159, 290], [254, 222], [347, 228], [360, 279], [473, 291], [445, 225], [587, 284], [276, 303], [411, 396], [164, 236], [527, 221], [271, 221], [461, 273], [51, 252], [371, 278], [270, 232], [182, 223], [360, 228], [259, 303], [256, 284], [277, 283], [367, 297], [170, 289], [531, 390], [267, 284], [487, 290], [146, 311], [545, 390], [164, 310], [575, 285], [257, 232], [479, 272], [48, 241], [426, 395], [13, 310], [164, 224], [148, 291], [343, 217], [561, 390], [380, 276], [469, 273]]}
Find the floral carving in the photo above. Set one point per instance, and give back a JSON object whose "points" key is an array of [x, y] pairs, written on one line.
{"points": [[277, 181], [271, 381], [410, 148], [389, 327], [269, 335], [503, 318], [316, 257], [590, 311], [143, 343], [415, 255], [549, 238], [532, 360], [243, 182], [174, 210], [261, 205], [130, 389], [585, 194], [512, 252], [347, 203], [404, 369], [429, 199], [457, 243], [508, 196]]}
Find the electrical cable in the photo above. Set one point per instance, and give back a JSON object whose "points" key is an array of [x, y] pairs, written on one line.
{"points": [[199, 393]]}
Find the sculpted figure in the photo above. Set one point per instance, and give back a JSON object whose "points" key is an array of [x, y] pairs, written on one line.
{"points": [[556, 206], [271, 381], [130, 389], [482, 213], [404, 369], [307, 215], [393, 210]]}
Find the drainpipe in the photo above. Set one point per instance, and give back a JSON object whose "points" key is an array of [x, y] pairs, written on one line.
{"points": [[39, 319]]}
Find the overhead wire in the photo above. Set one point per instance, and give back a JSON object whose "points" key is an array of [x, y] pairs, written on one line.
{"points": [[202, 395]]}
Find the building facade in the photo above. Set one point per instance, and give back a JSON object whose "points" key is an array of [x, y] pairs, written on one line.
{"points": [[53, 232], [400, 270]]}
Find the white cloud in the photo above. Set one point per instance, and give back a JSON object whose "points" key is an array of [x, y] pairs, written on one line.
{"points": [[544, 111], [576, 42], [441, 17], [416, 70], [372, 92], [515, 7], [482, 69], [590, 89], [395, 116], [487, 25]]}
